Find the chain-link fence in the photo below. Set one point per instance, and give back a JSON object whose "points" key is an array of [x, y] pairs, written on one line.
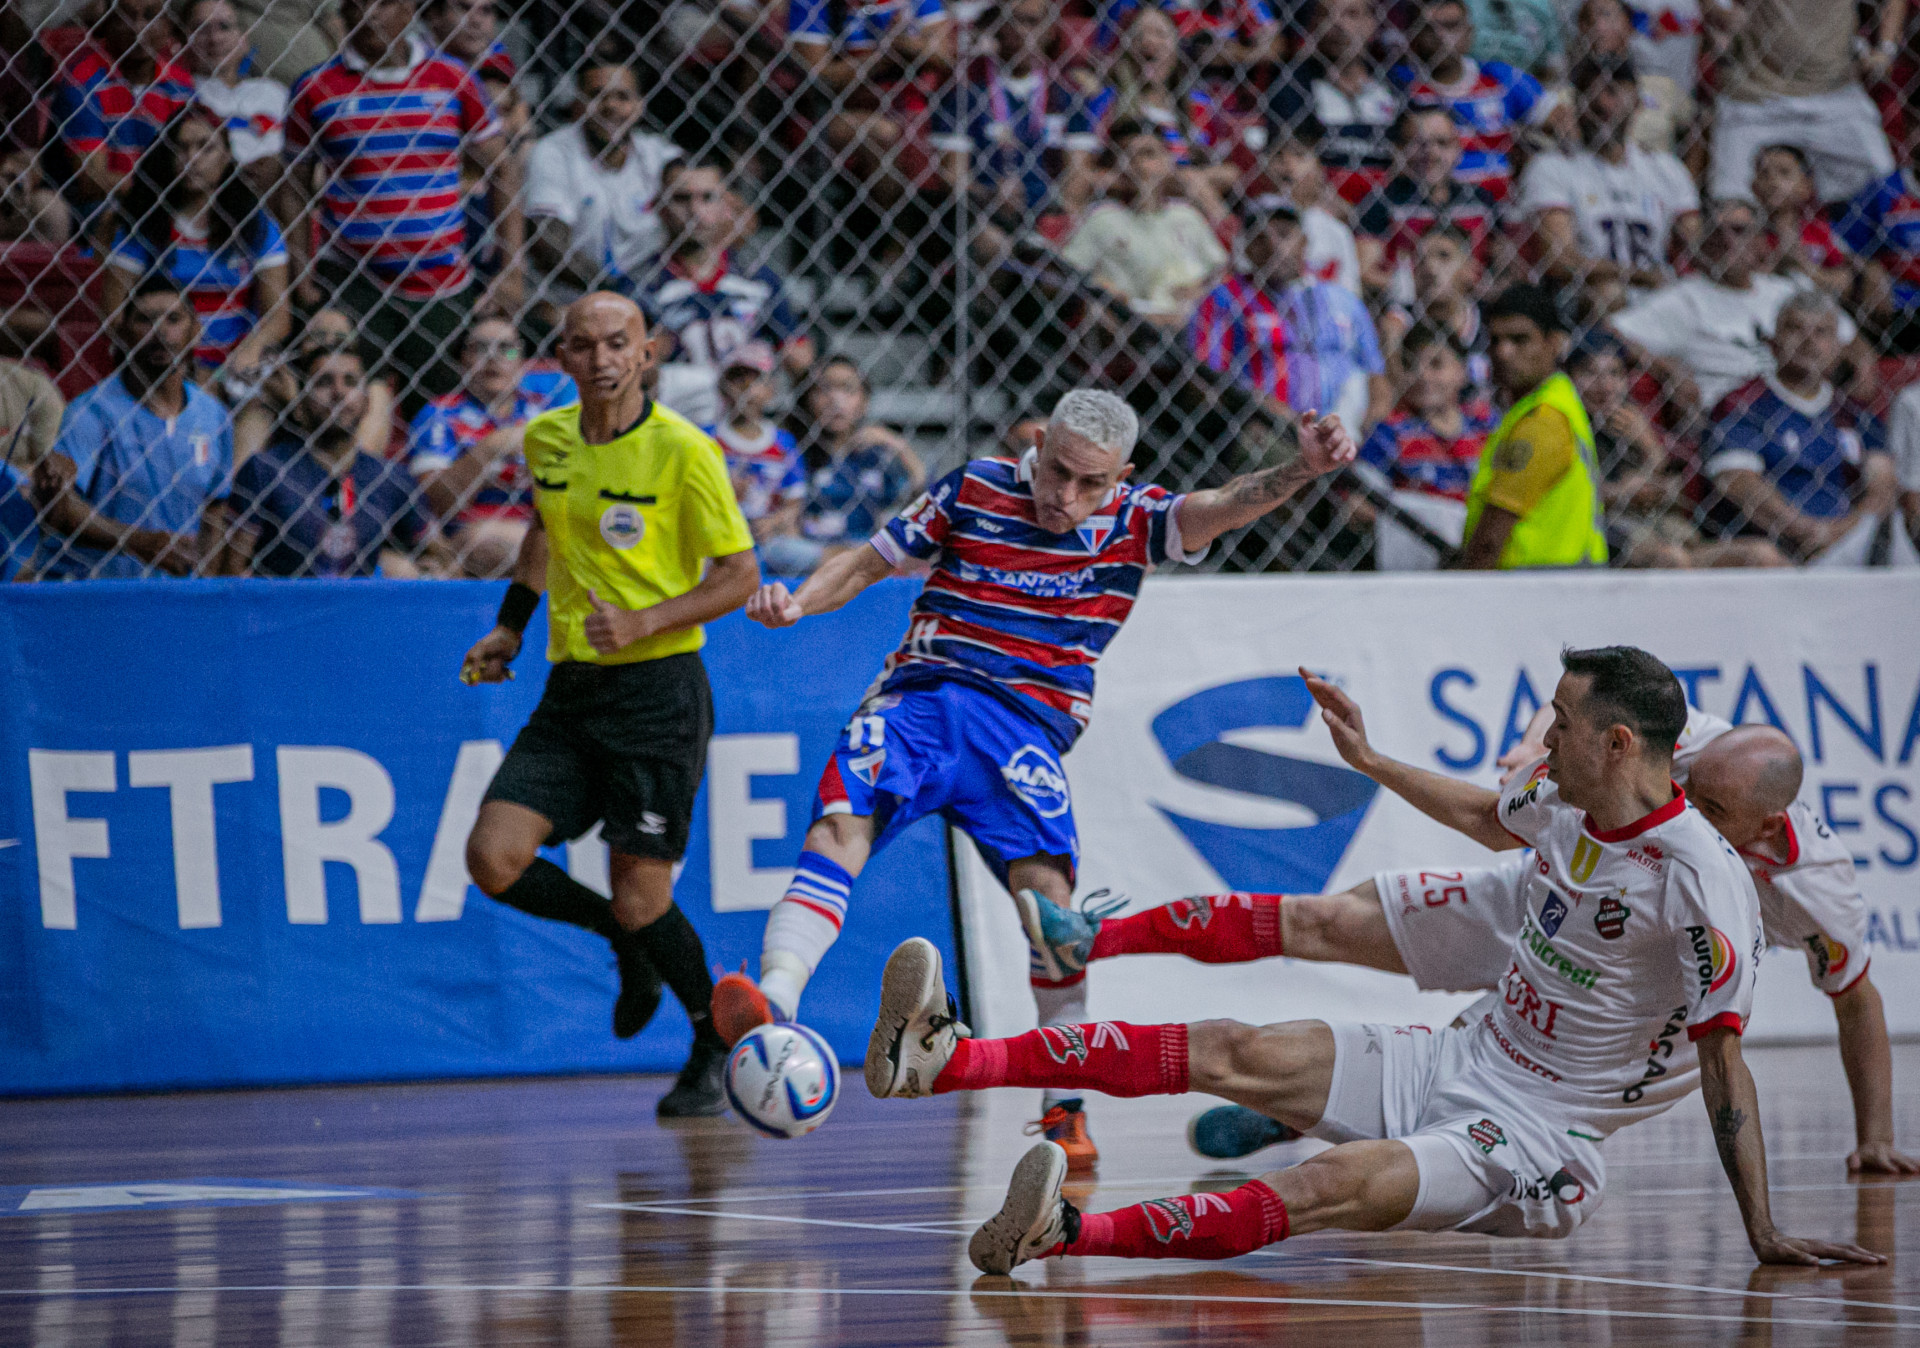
{"points": [[281, 281]]}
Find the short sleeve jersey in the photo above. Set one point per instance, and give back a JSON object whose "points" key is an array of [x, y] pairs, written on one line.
{"points": [[766, 468], [95, 108], [863, 23], [391, 142], [1633, 943], [308, 522], [1016, 610], [1535, 455], [218, 285], [712, 318], [1810, 898], [450, 425], [1623, 212], [634, 520]]}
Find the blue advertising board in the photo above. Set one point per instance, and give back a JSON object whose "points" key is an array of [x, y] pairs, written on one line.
{"points": [[232, 816]]}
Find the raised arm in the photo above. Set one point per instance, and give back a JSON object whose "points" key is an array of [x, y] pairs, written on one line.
{"points": [[839, 579], [1462, 806], [1868, 1058], [1733, 1107], [1204, 515]]}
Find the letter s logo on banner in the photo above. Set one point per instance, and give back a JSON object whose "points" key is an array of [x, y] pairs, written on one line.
{"points": [[1191, 733]]}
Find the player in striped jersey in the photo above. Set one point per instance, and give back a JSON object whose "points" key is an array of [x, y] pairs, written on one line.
{"points": [[1036, 564], [389, 121]]}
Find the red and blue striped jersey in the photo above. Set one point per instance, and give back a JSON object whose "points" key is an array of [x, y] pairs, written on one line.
{"points": [[1413, 456], [1882, 224], [1240, 330], [450, 425], [1487, 103], [219, 286], [1011, 608], [391, 142], [95, 107]]}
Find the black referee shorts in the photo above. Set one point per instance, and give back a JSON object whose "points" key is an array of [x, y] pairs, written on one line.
{"points": [[620, 745]]}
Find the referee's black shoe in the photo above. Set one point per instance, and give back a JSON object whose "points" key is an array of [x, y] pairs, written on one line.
{"points": [[700, 1093], [639, 987]]}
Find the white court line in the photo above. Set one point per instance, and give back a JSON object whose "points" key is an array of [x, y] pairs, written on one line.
{"points": [[932, 1229], [1019, 1293], [995, 1186], [1771, 1188], [1591, 1277]]}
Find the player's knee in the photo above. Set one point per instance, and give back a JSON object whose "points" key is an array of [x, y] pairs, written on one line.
{"points": [[840, 836], [494, 863], [1312, 925], [1227, 1054]]}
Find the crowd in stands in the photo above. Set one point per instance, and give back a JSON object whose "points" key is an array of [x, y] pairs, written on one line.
{"points": [[1621, 281]]}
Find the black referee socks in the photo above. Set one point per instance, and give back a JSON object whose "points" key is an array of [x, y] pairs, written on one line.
{"points": [[544, 890], [674, 947]]}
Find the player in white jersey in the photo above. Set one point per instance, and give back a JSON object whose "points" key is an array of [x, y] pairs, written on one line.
{"points": [[1643, 926], [1451, 929]]}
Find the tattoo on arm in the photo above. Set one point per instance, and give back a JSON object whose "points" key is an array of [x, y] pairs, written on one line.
{"points": [[1727, 1123], [1262, 488]]}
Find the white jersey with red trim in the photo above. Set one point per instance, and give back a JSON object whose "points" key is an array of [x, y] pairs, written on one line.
{"points": [[1810, 898], [1633, 943]]}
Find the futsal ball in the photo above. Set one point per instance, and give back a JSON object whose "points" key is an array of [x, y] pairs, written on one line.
{"points": [[783, 1079]]}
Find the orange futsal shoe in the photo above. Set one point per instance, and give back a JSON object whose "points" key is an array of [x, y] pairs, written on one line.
{"points": [[1066, 1125], [738, 1005]]}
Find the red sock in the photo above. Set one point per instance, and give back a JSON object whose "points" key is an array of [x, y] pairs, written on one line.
{"points": [[1211, 928], [1110, 1056], [1192, 1226]]}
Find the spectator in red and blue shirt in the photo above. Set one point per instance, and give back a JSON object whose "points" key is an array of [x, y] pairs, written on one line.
{"points": [[466, 447], [1431, 441], [1882, 227], [763, 461], [1491, 101], [389, 121], [1339, 89], [1014, 127], [1796, 459], [195, 216], [1428, 193], [1237, 33], [312, 503], [114, 94], [1308, 344]]}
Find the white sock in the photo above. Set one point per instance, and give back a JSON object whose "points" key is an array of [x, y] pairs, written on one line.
{"points": [[1061, 1006], [801, 928]]}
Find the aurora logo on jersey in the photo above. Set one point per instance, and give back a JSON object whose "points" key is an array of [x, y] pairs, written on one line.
{"points": [[1486, 1135], [1194, 735], [1713, 956]]}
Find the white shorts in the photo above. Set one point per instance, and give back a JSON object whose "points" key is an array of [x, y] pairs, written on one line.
{"points": [[1455, 929], [1840, 132], [1491, 1160]]}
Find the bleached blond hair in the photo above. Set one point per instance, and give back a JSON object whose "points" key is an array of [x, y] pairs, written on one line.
{"points": [[1097, 415]]}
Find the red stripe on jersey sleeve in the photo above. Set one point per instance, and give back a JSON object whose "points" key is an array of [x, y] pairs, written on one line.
{"points": [[1726, 1020]]}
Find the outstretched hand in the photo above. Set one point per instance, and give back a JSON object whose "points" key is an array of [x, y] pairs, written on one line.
{"points": [[1325, 444], [609, 628], [1342, 716], [1781, 1249], [1879, 1158], [773, 605]]}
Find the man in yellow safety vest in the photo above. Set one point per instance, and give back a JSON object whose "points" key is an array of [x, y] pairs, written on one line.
{"points": [[1535, 497]]}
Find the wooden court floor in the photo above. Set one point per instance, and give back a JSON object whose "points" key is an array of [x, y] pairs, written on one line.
{"points": [[557, 1211]]}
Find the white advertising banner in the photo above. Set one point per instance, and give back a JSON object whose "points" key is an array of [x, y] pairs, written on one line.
{"points": [[1206, 768]]}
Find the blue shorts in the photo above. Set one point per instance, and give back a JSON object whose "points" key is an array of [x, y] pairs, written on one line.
{"points": [[964, 754]]}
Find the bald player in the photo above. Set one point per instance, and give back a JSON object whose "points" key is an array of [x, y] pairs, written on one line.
{"points": [[1452, 929], [637, 541]]}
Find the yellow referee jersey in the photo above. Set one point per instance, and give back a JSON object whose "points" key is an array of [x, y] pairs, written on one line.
{"points": [[633, 520]]}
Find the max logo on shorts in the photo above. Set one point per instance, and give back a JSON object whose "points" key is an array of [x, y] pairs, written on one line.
{"points": [[1034, 776], [1486, 1135]]}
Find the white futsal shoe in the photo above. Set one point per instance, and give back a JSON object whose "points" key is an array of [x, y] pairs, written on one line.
{"points": [[1033, 1220], [914, 1037]]}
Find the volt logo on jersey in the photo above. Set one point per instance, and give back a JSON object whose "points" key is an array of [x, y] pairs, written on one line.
{"points": [[1193, 732], [1033, 775]]}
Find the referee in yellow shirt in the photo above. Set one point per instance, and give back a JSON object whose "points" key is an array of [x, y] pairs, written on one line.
{"points": [[637, 540]]}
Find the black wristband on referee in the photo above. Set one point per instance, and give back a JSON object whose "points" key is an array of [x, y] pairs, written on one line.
{"points": [[516, 610]]}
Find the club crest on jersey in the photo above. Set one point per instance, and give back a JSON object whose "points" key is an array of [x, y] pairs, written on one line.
{"points": [[1713, 956], [1033, 775], [867, 766], [1552, 913], [1611, 920], [621, 526], [1829, 957], [1096, 531], [1486, 1135]]}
